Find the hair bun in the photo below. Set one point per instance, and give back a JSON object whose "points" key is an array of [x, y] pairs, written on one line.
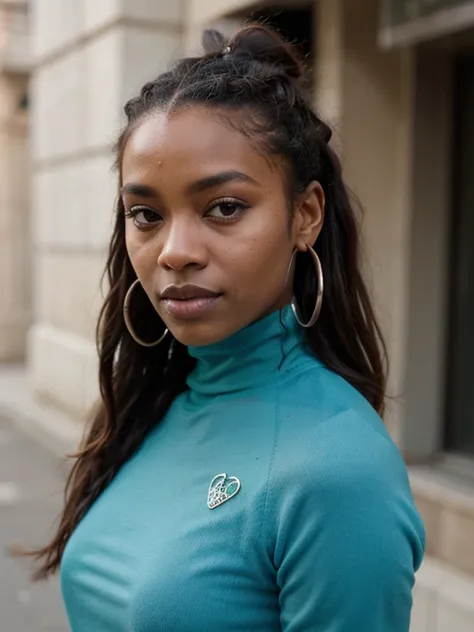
{"points": [[213, 42], [266, 45]]}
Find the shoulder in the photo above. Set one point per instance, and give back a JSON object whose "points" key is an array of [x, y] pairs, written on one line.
{"points": [[319, 409], [342, 487], [339, 516], [349, 452], [334, 462]]}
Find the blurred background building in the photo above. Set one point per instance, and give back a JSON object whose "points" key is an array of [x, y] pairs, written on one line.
{"points": [[15, 304], [396, 80]]}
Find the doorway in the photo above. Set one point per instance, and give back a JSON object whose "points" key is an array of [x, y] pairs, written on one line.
{"points": [[460, 399]]}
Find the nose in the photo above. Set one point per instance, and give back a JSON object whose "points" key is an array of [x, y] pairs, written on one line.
{"points": [[183, 246]]}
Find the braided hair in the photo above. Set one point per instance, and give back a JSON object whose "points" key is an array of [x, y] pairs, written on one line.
{"points": [[258, 72]]}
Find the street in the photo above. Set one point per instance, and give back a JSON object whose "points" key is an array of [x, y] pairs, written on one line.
{"points": [[31, 483]]}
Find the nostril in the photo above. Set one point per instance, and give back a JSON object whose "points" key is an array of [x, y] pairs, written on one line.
{"points": [[179, 260]]}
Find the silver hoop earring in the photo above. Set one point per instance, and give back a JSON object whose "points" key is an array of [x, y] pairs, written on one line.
{"points": [[128, 322], [319, 296]]}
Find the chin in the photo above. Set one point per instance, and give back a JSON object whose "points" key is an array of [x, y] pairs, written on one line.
{"points": [[199, 334]]}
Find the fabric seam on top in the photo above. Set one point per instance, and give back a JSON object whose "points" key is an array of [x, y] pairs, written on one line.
{"points": [[263, 530]]}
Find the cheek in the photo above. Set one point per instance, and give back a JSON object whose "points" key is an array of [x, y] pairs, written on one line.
{"points": [[259, 258], [142, 254]]}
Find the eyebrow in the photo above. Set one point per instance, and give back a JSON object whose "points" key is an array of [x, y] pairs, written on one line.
{"points": [[217, 179], [145, 191], [140, 190]]}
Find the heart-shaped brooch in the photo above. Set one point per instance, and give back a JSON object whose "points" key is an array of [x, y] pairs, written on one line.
{"points": [[222, 489]]}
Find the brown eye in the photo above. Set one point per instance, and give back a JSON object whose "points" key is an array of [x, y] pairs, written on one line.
{"points": [[143, 216], [226, 210]]}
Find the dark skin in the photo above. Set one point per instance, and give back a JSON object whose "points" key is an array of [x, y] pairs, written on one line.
{"points": [[204, 207]]}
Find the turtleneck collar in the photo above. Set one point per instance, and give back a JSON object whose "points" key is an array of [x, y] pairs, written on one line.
{"points": [[248, 358]]}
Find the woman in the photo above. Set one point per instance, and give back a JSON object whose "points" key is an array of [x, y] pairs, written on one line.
{"points": [[237, 474]]}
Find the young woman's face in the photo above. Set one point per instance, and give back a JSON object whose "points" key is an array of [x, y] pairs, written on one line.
{"points": [[208, 228]]}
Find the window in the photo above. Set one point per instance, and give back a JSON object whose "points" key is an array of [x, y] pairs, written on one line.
{"points": [[460, 396]]}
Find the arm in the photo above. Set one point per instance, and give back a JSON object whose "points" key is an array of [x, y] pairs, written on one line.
{"points": [[349, 538]]}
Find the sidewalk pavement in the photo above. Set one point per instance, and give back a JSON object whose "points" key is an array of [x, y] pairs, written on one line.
{"points": [[33, 442], [31, 490]]}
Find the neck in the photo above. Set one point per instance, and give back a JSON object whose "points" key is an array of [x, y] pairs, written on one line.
{"points": [[248, 358]]}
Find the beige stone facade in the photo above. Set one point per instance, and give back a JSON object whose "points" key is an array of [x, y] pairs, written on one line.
{"points": [[15, 281], [90, 56]]}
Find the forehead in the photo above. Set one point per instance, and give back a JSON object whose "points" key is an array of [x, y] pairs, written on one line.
{"points": [[195, 140]]}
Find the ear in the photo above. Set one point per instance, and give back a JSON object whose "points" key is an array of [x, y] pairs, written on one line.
{"points": [[308, 216]]}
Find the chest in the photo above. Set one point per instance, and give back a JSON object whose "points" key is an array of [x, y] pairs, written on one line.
{"points": [[151, 555]]}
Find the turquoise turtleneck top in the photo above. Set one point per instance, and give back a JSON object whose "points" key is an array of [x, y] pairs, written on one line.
{"points": [[313, 526]]}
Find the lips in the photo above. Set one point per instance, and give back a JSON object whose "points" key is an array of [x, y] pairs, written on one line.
{"points": [[187, 292], [188, 301]]}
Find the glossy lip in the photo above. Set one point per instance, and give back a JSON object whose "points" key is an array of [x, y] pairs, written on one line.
{"points": [[188, 301]]}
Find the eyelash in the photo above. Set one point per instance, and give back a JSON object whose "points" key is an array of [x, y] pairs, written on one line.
{"points": [[136, 210], [240, 206]]}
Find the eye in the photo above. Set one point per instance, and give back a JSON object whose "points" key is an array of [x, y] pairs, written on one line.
{"points": [[143, 216], [226, 209]]}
